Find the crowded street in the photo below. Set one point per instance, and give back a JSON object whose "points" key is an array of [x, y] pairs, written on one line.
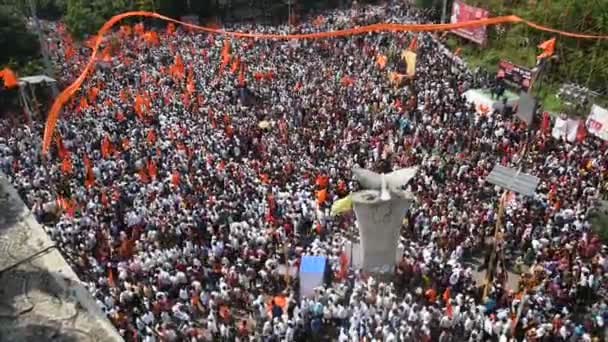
{"points": [[192, 171]]}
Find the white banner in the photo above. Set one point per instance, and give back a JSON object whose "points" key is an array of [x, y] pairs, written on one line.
{"points": [[597, 122], [565, 129]]}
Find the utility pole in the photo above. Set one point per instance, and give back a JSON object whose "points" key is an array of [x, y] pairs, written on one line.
{"points": [[43, 48]]}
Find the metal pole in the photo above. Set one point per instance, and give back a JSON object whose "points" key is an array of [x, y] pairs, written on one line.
{"points": [[43, 48], [444, 11]]}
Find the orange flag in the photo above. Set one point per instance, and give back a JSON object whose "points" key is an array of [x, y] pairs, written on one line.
{"points": [[235, 64], [106, 147], [10, 80], [89, 177], [548, 48], [151, 137], [92, 94], [381, 61], [446, 294], [321, 196], [151, 37], [83, 104], [152, 170], [139, 28], [66, 166], [62, 152], [175, 178], [225, 55], [111, 278], [413, 44]]}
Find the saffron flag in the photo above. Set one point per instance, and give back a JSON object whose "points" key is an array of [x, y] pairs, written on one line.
{"points": [[321, 196], [548, 48], [175, 178], [62, 152], [88, 175], [106, 147], [235, 64], [10, 80], [381, 61], [66, 166]]}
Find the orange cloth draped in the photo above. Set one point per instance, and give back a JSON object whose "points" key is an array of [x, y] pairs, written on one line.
{"points": [[68, 92]]}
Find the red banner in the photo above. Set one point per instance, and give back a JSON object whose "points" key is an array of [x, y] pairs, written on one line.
{"points": [[462, 12]]}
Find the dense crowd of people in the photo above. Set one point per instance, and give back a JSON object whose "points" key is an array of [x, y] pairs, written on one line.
{"points": [[183, 197]]}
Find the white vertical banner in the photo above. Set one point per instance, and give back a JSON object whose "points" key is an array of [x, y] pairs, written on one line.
{"points": [[597, 122]]}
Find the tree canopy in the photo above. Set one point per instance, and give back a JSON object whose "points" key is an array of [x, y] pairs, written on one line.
{"points": [[581, 61]]}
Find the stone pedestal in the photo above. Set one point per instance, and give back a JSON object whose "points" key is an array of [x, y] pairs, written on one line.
{"points": [[379, 222]]}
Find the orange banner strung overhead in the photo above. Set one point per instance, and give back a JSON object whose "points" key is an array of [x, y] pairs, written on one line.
{"points": [[72, 88]]}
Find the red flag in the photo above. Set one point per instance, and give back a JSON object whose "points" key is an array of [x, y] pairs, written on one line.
{"points": [[544, 127], [449, 308], [66, 166], [10, 80], [175, 178], [151, 137], [321, 196], [581, 132], [548, 48], [413, 44], [106, 147], [103, 198], [346, 81], [152, 170]]}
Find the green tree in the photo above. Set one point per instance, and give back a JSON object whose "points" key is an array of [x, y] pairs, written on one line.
{"points": [[582, 61], [18, 46]]}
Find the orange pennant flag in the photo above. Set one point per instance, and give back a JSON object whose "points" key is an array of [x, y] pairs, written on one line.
{"points": [[346, 81], [225, 55], [151, 37], [548, 48], [10, 80], [106, 147]]}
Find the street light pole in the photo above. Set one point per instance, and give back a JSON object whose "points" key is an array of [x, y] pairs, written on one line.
{"points": [[43, 48]]}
